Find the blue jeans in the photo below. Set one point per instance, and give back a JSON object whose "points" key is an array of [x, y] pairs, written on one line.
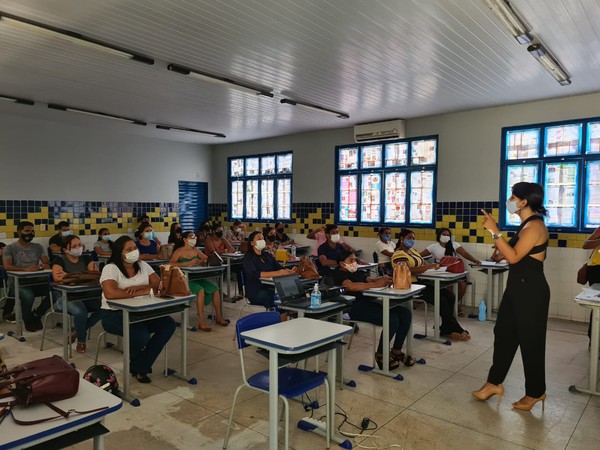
{"points": [[27, 295], [146, 339], [80, 310], [264, 297]]}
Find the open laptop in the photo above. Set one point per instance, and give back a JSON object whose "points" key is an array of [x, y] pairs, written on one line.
{"points": [[291, 292]]}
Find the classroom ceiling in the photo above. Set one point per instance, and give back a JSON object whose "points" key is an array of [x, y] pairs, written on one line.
{"points": [[373, 60]]}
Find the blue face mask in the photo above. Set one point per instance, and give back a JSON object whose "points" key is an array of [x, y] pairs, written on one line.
{"points": [[386, 237], [148, 235], [66, 233], [409, 243]]}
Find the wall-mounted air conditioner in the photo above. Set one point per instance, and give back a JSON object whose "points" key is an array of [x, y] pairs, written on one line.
{"points": [[380, 131]]}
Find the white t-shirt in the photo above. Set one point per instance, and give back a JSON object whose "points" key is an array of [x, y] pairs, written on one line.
{"points": [[112, 272], [381, 246], [438, 251]]}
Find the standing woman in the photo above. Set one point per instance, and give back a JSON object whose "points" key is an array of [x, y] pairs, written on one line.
{"points": [[523, 312]]}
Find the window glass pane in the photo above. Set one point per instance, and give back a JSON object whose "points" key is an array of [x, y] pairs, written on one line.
{"points": [[251, 167], [395, 197], [267, 165], [421, 196], [593, 137], [284, 199], [348, 198], [521, 144], [371, 197], [423, 152], [515, 174], [284, 163], [560, 194], [252, 199], [592, 195], [267, 197], [563, 140], [237, 167], [396, 154], [348, 158], [371, 156], [237, 199]]}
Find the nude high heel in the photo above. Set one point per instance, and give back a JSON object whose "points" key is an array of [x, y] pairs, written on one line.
{"points": [[487, 391], [528, 406]]}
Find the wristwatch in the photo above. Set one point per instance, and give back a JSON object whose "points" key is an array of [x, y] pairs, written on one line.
{"points": [[496, 236]]}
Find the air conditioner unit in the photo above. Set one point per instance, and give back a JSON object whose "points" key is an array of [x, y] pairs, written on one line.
{"points": [[380, 131]]}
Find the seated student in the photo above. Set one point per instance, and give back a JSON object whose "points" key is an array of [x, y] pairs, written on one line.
{"points": [[446, 247], [26, 256], [175, 233], [355, 281], [146, 244], [270, 235], [237, 233], [186, 254], [72, 261], [384, 247], [103, 245], [2, 245], [282, 238], [405, 252], [318, 234], [330, 250], [124, 276], [259, 264], [216, 242], [146, 219], [56, 242], [203, 233]]}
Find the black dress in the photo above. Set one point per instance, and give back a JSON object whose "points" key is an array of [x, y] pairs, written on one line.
{"points": [[522, 319]]}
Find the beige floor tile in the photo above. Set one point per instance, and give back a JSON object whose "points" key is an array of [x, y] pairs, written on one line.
{"points": [[586, 434]]}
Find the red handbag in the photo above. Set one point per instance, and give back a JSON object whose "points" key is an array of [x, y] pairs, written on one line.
{"points": [[453, 264]]}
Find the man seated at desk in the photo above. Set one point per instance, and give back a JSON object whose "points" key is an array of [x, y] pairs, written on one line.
{"points": [[363, 309], [26, 256], [57, 241], [330, 251]]}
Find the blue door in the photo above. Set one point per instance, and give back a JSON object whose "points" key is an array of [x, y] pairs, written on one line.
{"points": [[193, 204]]}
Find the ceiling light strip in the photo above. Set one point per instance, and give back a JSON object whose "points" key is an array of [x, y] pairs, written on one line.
{"points": [[507, 15], [21, 101], [80, 39], [189, 130], [549, 63], [313, 107], [96, 114]]}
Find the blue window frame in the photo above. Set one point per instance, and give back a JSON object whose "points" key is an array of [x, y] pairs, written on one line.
{"points": [[387, 183], [260, 187], [564, 157]]}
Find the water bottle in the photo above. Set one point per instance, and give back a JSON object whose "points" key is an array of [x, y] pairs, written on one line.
{"points": [[315, 297], [482, 311], [293, 250], [276, 298]]}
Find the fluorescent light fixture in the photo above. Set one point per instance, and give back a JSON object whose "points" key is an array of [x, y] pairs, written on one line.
{"points": [[549, 63], [312, 107], [31, 25], [22, 101], [189, 130], [203, 76], [511, 21], [96, 114]]}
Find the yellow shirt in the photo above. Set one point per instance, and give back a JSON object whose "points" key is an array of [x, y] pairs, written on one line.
{"points": [[594, 258], [412, 258]]}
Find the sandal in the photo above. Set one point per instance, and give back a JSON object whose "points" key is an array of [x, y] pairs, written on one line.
{"points": [[223, 322], [81, 347], [462, 336], [393, 364], [204, 328], [145, 379], [405, 359]]}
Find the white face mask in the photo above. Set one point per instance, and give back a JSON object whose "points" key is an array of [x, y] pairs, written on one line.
{"points": [[192, 242], [77, 252], [351, 267], [335, 238], [444, 239], [106, 237], [260, 245], [511, 206], [132, 256], [238, 230]]}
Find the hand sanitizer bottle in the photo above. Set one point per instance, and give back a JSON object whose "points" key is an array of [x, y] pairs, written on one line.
{"points": [[293, 250], [315, 297]]}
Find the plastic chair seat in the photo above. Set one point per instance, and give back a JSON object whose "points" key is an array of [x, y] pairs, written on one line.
{"points": [[292, 382]]}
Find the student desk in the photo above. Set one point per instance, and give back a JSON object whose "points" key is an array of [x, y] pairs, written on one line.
{"points": [[76, 428], [19, 277], [591, 300], [197, 272], [306, 282], [441, 279], [491, 269], [388, 295], [156, 263], [231, 257], [295, 337], [140, 309], [86, 293]]}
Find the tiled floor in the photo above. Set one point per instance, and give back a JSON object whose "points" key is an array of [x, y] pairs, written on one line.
{"points": [[431, 409]]}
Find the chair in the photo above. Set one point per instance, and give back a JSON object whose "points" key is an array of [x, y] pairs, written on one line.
{"points": [[4, 296], [380, 270], [293, 382], [53, 311], [246, 299]]}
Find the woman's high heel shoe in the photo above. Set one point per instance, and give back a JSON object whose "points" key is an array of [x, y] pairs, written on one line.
{"points": [[489, 390], [527, 406]]}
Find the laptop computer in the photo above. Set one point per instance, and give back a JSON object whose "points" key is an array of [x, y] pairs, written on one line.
{"points": [[292, 293]]}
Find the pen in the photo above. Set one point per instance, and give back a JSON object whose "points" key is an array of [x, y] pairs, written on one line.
{"points": [[5, 412]]}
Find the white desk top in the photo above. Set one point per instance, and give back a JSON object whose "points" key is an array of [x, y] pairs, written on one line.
{"points": [[65, 288], [20, 274], [203, 268], [394, 293], [156, 262], [148, 303], [441, 276], [589, 296], [296, 336], [490, 265], [233, 255], [367, 266]]}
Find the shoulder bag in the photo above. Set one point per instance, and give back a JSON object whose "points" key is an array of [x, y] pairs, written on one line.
{"points": [[80, 279], [453, 264], [173, 281], [402, 278], [307, 268]]}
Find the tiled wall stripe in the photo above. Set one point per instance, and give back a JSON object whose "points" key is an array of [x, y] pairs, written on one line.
{"points": [[85, 217]]}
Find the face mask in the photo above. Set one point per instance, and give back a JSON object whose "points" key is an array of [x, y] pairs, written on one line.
{"points": [[271, 238], [106, 237], [75, 252], [206, 227], [66, 233], [444, 239], [192, 242], [178, 230], [280, 230], [28, 237], [335, 238], [386, 237], [238, 230], [352, 267], [148, 235], [132, 256], [409, 243], [511, 207], [219, 234], [260, 245]]}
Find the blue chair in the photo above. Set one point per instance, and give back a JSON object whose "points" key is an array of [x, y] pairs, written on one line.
{"points": [[293, 382]]}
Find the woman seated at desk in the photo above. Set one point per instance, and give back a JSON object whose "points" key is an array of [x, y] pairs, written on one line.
{"points": [[384, 248], [405, 252], [126, 277], [363, 309], [102, 246], [174, 233], [145, 242], [258, 264], [186, 254], [70, 261], [270, 235]]}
